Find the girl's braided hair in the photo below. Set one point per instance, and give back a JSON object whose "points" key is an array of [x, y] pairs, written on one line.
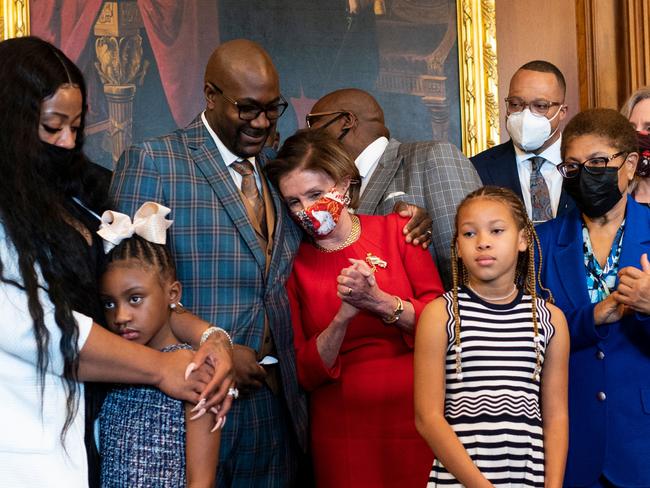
{"points": [[526, 277]]}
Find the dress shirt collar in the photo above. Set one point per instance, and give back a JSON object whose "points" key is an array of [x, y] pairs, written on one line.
{"points": [[367, 160], [227, 156], [551, 153]]}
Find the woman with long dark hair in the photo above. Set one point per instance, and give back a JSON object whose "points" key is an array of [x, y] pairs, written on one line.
{"points": [[49, 195]]}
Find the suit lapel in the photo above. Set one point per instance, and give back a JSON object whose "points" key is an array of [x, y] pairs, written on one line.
{"points": [[376, 188], [569, 256], [503, 171], [280, 234], [209, 162], [635, 240], [567, 204]]}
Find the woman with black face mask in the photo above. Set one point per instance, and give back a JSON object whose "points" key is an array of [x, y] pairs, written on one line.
{"points": [[637, 110], [595, 263], [49, 305]]}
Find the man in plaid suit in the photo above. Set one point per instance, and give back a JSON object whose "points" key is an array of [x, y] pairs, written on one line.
{"points": [[433, 175], [234, 246]]}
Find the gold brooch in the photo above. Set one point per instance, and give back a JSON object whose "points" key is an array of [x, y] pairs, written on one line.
{"points": [[374, 261]]}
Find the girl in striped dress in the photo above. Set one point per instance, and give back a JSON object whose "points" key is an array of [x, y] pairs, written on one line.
{"points": [[491, 357]]}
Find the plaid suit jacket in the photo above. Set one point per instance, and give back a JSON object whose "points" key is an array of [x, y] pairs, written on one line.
{"points": [[432, 175], [218, 256]]}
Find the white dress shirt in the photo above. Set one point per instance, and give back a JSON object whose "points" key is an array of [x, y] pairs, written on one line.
{"points": [[229, 158], [367, 161], [549, 171], [31, 451]]}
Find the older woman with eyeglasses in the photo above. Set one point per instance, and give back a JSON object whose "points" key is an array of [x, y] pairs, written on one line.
{"points": [[637, 110], [595, 264], [356, 292]]}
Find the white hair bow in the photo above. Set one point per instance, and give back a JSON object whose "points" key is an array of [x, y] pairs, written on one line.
{"points": [[149, 222]]}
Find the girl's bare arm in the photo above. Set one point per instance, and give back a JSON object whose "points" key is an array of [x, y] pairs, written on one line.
{"points": [[430, 355], [555, 417]]}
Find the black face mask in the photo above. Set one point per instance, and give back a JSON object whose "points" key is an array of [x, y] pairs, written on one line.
{"points": [[58, 156], [595, 195], [61, 167]]}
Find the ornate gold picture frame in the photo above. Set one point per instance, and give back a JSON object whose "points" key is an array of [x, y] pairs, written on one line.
{"points": [[477, 66], [14, 18], [479, 107]]}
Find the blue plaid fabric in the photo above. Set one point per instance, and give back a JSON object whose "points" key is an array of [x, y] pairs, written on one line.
{"points": [[259, 449], [220, 262]]}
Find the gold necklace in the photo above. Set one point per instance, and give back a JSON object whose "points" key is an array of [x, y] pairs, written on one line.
{"points": [[352, 237]]}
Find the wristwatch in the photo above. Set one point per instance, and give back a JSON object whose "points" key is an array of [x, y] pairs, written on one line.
{"points": [[396, 313]]}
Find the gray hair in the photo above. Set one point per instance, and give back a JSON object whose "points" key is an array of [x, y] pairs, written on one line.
{"points": [[641, 94]]}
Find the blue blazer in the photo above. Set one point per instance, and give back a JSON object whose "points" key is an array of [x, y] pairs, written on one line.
{"points": [[609, 369], [498, 166]]}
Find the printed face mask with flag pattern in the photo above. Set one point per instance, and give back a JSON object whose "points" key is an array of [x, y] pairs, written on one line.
{"points": [[320, 218]]}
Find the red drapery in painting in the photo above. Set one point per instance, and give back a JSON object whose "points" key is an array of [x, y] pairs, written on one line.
{"points": [[182, 34]]}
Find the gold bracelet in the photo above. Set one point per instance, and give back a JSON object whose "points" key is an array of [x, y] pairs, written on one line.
{"points": [[213, 330], [396, 313]]}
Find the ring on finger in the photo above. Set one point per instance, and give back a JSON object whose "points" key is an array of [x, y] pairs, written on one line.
{"points": [[428, 233], [349, 291], [233, 392]]}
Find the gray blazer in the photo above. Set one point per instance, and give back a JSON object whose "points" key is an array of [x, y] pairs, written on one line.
{"points": [[433, 175]]}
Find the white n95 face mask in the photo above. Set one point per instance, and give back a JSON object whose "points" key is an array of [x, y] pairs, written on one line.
{"points": [[529, 131]]}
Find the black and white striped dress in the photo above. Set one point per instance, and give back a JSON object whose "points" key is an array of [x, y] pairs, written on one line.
{"points": [[495, 409]]}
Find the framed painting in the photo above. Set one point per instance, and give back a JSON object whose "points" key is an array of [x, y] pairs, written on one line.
{"points": [[431, 64]]}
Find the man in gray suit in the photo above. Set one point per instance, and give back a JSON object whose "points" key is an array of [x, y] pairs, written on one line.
{"points": [[433, 175]]}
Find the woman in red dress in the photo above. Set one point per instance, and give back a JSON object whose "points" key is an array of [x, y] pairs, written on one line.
{"points": [[356, 291]]}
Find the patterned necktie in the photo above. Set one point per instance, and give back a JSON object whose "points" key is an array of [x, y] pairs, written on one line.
{"points": [[249, 189], [539, 197]]}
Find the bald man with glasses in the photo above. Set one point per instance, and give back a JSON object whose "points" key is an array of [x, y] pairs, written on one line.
{"points": [[415, 178], [233, 244]]}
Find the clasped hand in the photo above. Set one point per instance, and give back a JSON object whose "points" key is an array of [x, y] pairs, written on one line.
{"points": [[632, 294], [357, 286], [634, 286]]}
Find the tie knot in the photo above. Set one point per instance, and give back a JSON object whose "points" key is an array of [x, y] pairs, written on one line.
{"points": [[536, 164], [244, 167]]}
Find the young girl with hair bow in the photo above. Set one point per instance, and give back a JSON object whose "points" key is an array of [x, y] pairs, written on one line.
{"points": [[146, 437]]}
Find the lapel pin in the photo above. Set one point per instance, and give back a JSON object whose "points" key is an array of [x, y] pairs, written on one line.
{"points": [[375, 261]]}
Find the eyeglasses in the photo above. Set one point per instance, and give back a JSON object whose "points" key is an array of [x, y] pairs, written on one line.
{"points": [[538, 107], [594, 166], [250, 111], [311, 118]]}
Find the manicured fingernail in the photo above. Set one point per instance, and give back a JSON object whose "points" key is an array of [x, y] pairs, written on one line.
{"points": [[224, 423], [198, 406], [200, 414], [219, 424], [188, 371], [215, 410]]}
